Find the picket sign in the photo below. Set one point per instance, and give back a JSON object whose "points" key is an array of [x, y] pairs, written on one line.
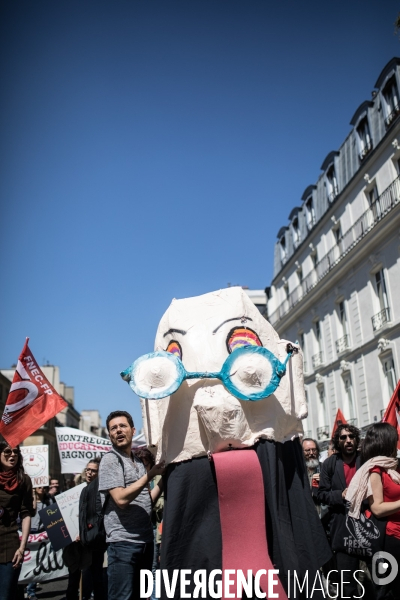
{"points": [[36, 464], [41, 562]]}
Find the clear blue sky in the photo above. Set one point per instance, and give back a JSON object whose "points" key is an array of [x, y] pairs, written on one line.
{"points": [[152, 149]]}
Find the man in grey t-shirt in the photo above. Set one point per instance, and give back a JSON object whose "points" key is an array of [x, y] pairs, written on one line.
{"points": [[127, 500]]}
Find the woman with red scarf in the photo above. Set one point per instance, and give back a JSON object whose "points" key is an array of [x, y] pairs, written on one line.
{"points": [[15, 500]]}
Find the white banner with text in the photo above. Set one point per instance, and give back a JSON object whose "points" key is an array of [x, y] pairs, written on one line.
{"points": [[76, 448]]}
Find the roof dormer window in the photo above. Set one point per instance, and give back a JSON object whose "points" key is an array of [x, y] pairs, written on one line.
{"points": [[331, 183], [310, 213], [364, 138], [296, 231], [283, 250], [391, 96]]}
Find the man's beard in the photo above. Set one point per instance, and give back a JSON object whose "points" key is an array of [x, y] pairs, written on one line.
{"points": [[312, 463]]}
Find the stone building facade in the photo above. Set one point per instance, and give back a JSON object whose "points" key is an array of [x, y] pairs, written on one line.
{"points": [[337, 269]]}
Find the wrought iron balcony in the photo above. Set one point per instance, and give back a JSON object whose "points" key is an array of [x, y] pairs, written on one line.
{"points": [[393, 116], [380, 319], [308, 433], [317, 360], [366, 150], [352, 422], [323, 432], [342, 343], [360, 228]]}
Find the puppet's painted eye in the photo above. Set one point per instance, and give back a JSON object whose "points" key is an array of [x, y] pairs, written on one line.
{"points": [[238, 337], [175, 348]]}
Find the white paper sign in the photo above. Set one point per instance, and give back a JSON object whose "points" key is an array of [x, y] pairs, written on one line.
{"points": [[68, 503], [36, 464], [76, 448], [41, 563]]}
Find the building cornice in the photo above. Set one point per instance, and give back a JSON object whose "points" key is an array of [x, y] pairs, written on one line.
{"points": [[364, 247], [353, 182]]}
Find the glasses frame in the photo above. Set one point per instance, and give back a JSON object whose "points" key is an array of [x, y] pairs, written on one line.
{"points": [[9, 453], [278, 370]]}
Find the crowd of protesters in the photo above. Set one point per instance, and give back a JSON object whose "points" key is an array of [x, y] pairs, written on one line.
{"points": [[121, 511], [359, 479]]}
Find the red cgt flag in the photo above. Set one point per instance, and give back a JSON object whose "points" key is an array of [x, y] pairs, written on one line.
{"points": [[31, 402], [392, 413], [338, 421]]}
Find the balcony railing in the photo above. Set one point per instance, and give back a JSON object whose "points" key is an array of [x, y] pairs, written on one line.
{"points": [[305, 370], [360, 228], [352, 422], [393, 116], [323, 432], [317, 360], [380, 319], [342, 344], [366, 150], [308, 433]]}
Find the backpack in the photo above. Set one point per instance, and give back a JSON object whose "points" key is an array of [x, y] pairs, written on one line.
{"points": [[91, 514]]}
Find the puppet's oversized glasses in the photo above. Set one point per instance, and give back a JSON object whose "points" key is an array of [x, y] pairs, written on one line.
{"points": [[249, 373]]}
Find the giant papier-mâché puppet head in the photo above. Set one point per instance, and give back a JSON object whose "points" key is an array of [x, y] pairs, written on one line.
{"points": [[220, 378]]}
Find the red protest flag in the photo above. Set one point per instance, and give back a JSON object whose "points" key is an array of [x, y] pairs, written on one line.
{"points": [[392, 413], [338, 421], [31, 402]]}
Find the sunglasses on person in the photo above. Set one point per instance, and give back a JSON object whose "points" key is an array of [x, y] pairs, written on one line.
{"points": [[351, 436], [7, 452]]}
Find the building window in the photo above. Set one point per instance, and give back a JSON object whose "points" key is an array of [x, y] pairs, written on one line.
{"points": [[299, 273], [296, 231], [302, 344], [337, 233], [323, 430], [286, 290], [348, 388], [381, 290], [282, 246], [310, 213], [332, 185], [318, 336], [374, 202], [390, 374], [317, 358], [342, 318], [391, 96], [314, 257], [301, 341], [364, 138], [383, 316]]}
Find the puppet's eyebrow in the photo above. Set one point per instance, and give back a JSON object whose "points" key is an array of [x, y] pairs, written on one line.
{"points": [[175, 331], [234, 319]]}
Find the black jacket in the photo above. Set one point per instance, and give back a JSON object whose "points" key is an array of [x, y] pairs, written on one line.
{"points": [[332, 482]]}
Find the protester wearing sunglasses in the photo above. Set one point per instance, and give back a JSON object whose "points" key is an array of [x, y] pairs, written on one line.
{"points": [[336, 474], [15, 499]]}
